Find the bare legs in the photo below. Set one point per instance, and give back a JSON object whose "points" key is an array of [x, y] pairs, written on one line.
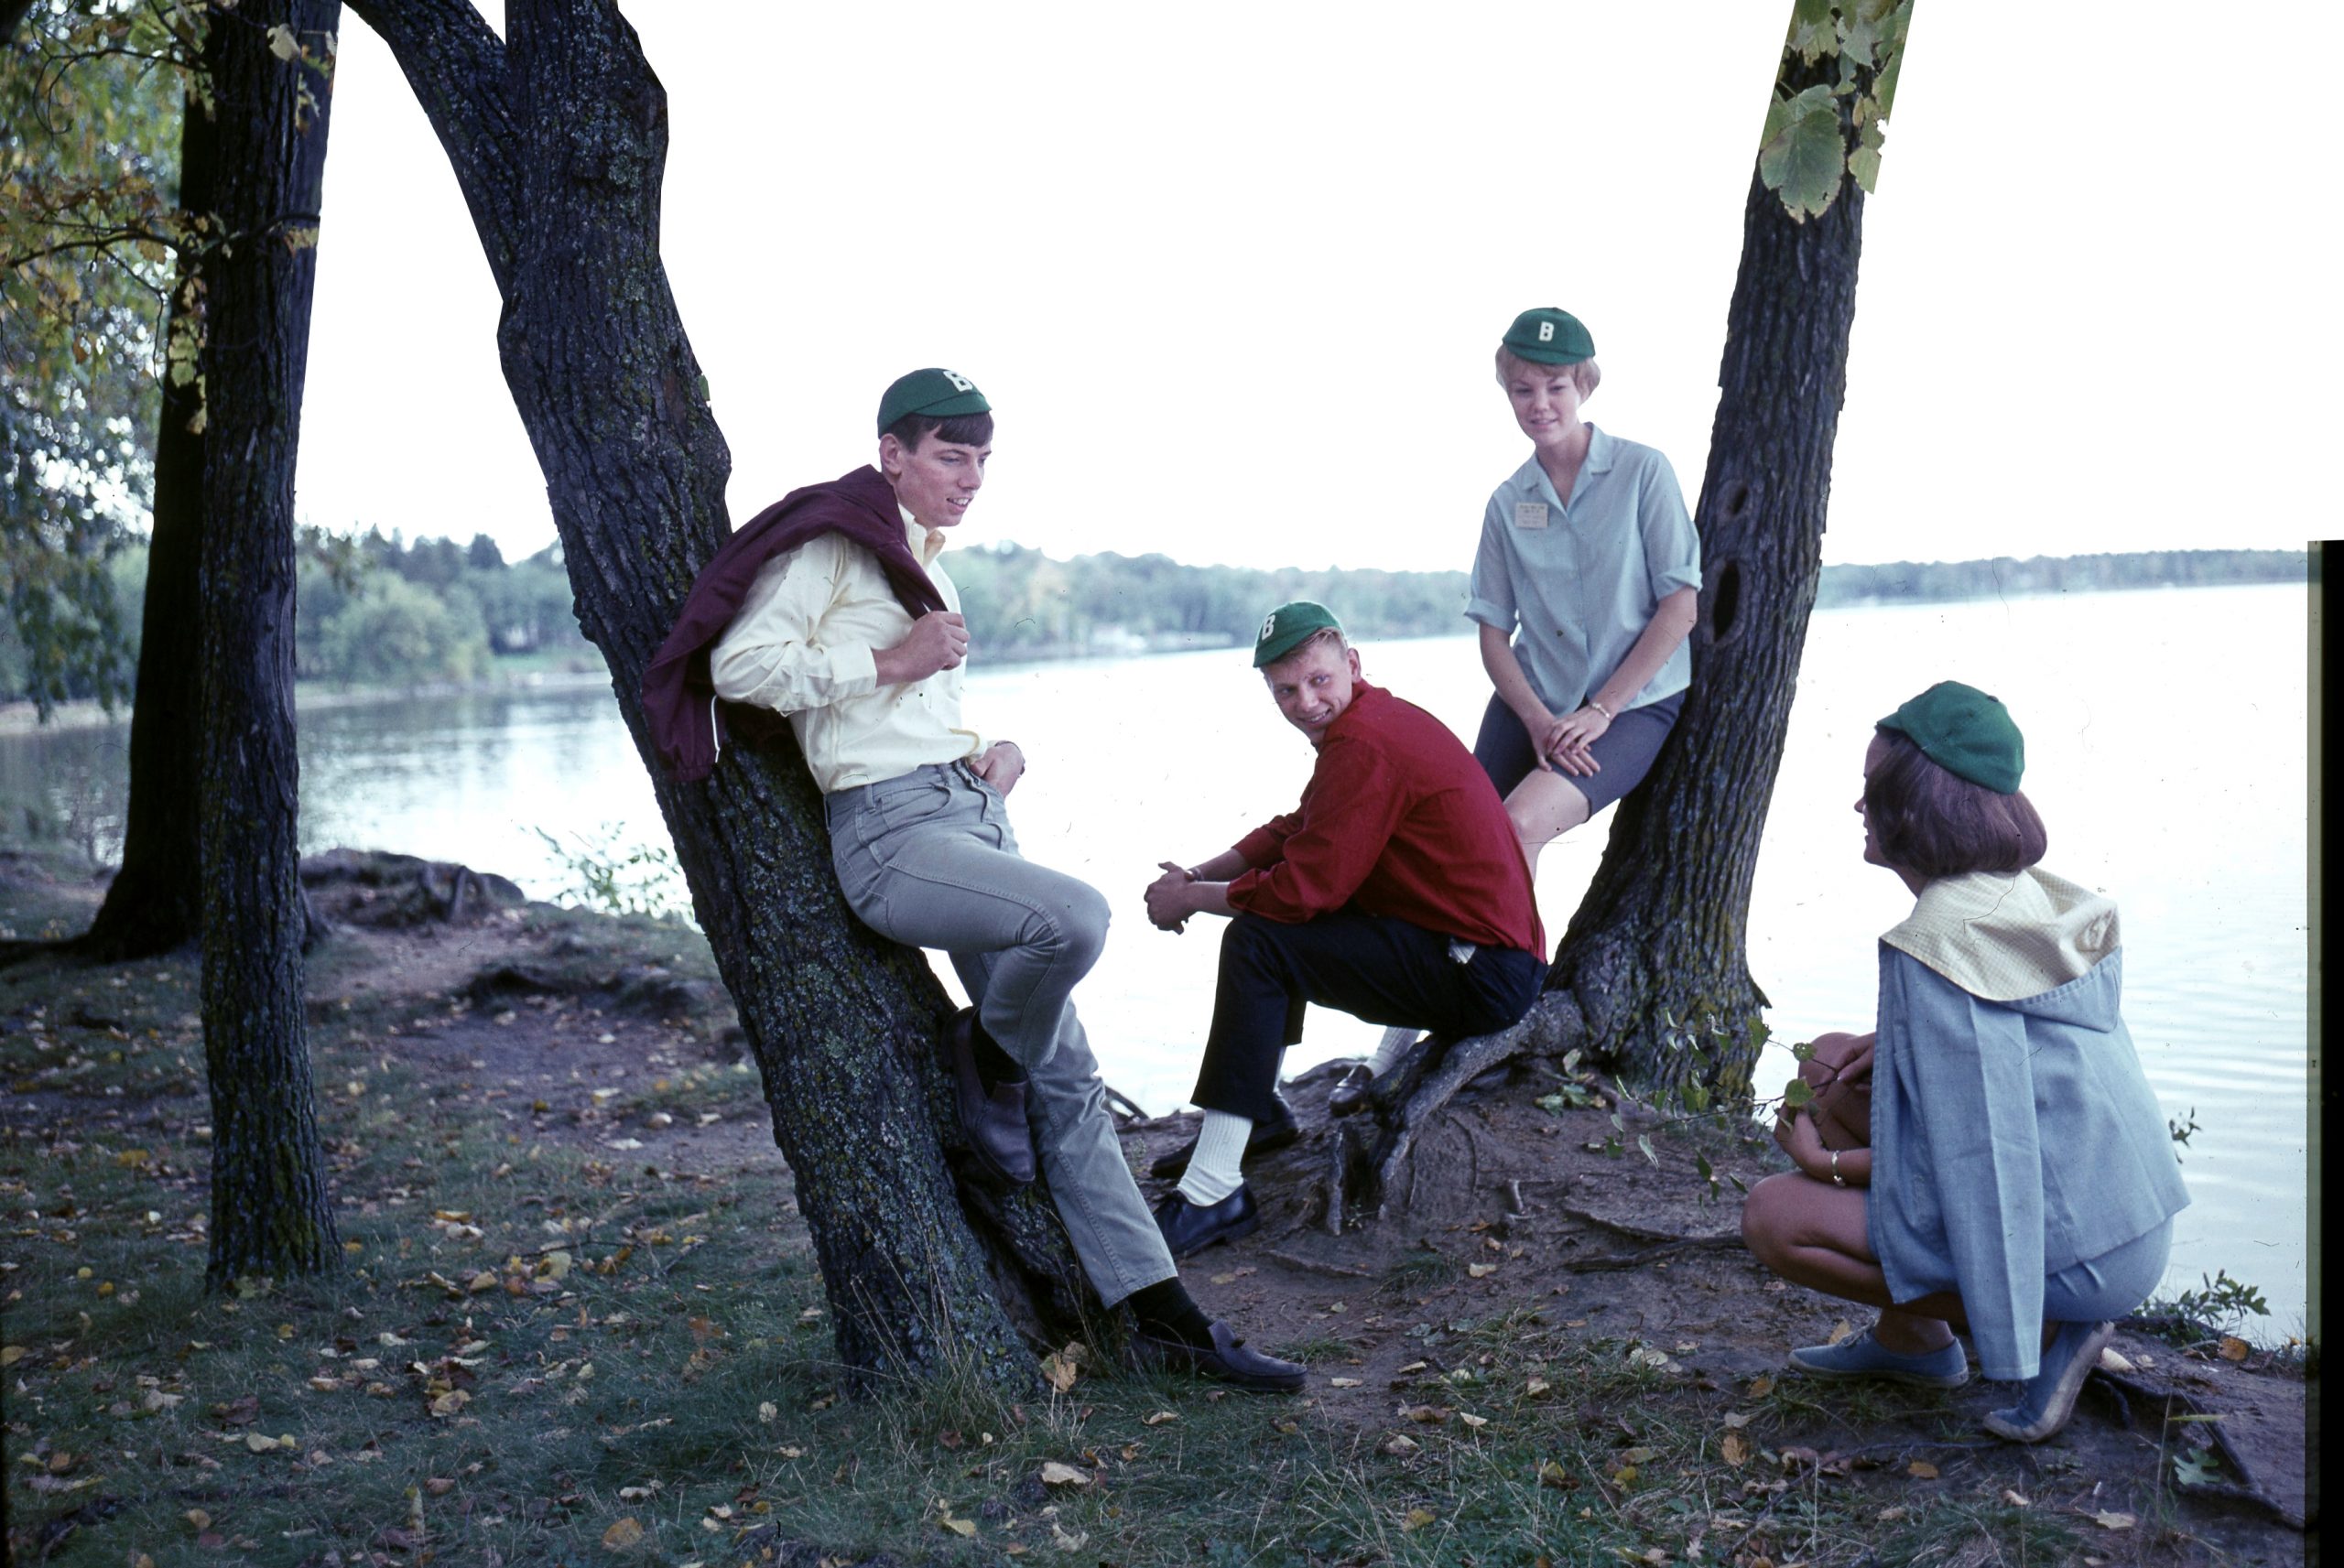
{"points": [[1813, 1234], [1542, 807]]}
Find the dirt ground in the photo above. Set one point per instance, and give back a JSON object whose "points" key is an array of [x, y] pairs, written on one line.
{"points": [[1512, 1207]]}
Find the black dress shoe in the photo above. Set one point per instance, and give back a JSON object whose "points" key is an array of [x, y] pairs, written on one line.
{"points": [[992, 1122], [1229, 1359], [1267, 1136], [1191, 1227], [1352, 1091]]}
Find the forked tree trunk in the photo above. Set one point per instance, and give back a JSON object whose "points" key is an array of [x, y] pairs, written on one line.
{"points": [[155, 903], [271, 1213], [558, 136]]}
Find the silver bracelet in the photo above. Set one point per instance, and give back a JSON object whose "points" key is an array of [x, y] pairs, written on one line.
{"points": [[1601, 709]]}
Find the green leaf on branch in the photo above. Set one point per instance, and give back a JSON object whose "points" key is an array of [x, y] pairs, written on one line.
{"points": [[1797, 1094], [1864, 164], [1804, 155], [1814, 32]]}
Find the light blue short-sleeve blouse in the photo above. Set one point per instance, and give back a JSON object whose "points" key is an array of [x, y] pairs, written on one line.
{"points": [[1580, 582]]}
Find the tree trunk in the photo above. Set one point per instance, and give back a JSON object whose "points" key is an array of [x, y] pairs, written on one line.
{"points": [[271, 1213], [558, 138], [1657, 954], [155, 903]]}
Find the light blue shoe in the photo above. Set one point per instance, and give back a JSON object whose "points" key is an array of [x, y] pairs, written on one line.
{"points": [[2050, 1397], [1862, 1355]]}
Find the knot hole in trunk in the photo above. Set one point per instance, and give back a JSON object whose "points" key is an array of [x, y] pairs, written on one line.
{"points": [[1725, 601]]}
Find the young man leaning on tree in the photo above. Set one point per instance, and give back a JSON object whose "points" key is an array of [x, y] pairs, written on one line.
{"points": [[832, 607], [1396, 891]]}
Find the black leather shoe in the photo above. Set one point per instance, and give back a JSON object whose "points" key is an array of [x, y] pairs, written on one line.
{"points": [[992, 1123], [1265, 1138], [1230, 1359], [1191, 1227], [1350, 1093]]}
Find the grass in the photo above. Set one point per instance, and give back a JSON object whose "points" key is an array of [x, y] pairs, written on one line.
{"points": [[541, 1354]]}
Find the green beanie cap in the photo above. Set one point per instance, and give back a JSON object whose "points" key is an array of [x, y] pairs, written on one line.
{"points": [[1967, 734], [938, 393], [1549, 336], [1290, 626]]}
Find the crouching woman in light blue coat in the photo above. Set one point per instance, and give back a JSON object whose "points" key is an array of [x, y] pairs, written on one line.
{"points": [[2021, 1182]]}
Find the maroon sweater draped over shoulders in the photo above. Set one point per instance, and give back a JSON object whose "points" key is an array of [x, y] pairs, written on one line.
{"points": [[679, 693]]}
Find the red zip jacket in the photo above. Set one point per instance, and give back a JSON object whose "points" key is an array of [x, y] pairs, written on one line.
{"points": [[1397, 820]]}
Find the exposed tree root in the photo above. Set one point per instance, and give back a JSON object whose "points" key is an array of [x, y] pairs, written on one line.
{"points": [[1371, 1157]]}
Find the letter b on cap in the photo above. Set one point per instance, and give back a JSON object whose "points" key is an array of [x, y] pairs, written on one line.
{"points": [[960, 382], [1546, 334], [1269, 625]]}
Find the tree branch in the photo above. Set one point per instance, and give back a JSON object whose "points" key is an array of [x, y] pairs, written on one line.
{"points": [[457, 66]]}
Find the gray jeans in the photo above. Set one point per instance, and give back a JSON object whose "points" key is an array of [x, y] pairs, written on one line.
{"points": [[928, 859]]}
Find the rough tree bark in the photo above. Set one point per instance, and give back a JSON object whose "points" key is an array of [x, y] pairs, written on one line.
{"points": [[154, 903], [557, 136], [1651, 977], [271, 1213]]}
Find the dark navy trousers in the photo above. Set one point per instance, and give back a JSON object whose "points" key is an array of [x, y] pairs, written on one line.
{"points": [[1382, 970]]}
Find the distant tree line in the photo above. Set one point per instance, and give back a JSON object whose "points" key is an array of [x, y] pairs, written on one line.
{"points": [[378, 610], [1931, 581]]}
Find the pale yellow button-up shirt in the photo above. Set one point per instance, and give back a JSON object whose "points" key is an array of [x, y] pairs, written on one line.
{"points": [[803, 644]]}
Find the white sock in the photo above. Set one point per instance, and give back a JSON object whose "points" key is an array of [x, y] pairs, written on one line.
{"points": [[1395, 1040], [1212, 1173]]}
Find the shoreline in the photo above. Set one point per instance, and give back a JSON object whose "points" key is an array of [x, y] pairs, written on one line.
{"points": [[22, 718]]}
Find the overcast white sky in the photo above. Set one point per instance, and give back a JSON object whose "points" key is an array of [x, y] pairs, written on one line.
{"points": [[1232, 273]]}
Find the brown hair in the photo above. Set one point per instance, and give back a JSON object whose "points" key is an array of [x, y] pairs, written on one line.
{"points": [[960, 430], [1934, 822], [1585, 373]]}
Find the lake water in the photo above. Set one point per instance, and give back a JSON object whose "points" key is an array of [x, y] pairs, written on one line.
{"points": [[2165, 749]]}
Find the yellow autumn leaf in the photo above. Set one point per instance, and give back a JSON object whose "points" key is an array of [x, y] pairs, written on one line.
{"points": [[1159, 1418], [1416, 1520], [1761, 1386], [1921, 1470], [1400, 1445], [1553, 1475], [1055, 1473], [768, 1412], [961, 1526], [1840, 1330], [1343, 1382], [1535, 1389], [1475, 1422], [259, 1441], [1735, 1449], [2109, 1520], [2234, 1348], [2017, 1499], [1480, 1270], [198, 1519], [621, 1534], [11, 1353]]}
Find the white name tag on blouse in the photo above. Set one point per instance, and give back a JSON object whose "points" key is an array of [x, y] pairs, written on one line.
{"points": [[1530, 514]]}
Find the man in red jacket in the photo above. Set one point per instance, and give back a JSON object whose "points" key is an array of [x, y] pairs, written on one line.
{"points": [[1396, 891]]}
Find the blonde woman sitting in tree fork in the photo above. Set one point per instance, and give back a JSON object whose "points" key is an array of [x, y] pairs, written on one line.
{"points": [[2020, 1181], [1584, 588]]}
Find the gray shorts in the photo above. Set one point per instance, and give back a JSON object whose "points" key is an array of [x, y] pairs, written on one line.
{"points": [[1623, 754]]}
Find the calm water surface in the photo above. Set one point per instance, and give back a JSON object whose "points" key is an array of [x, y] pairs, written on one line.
{"points": [[2160, 783]]}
